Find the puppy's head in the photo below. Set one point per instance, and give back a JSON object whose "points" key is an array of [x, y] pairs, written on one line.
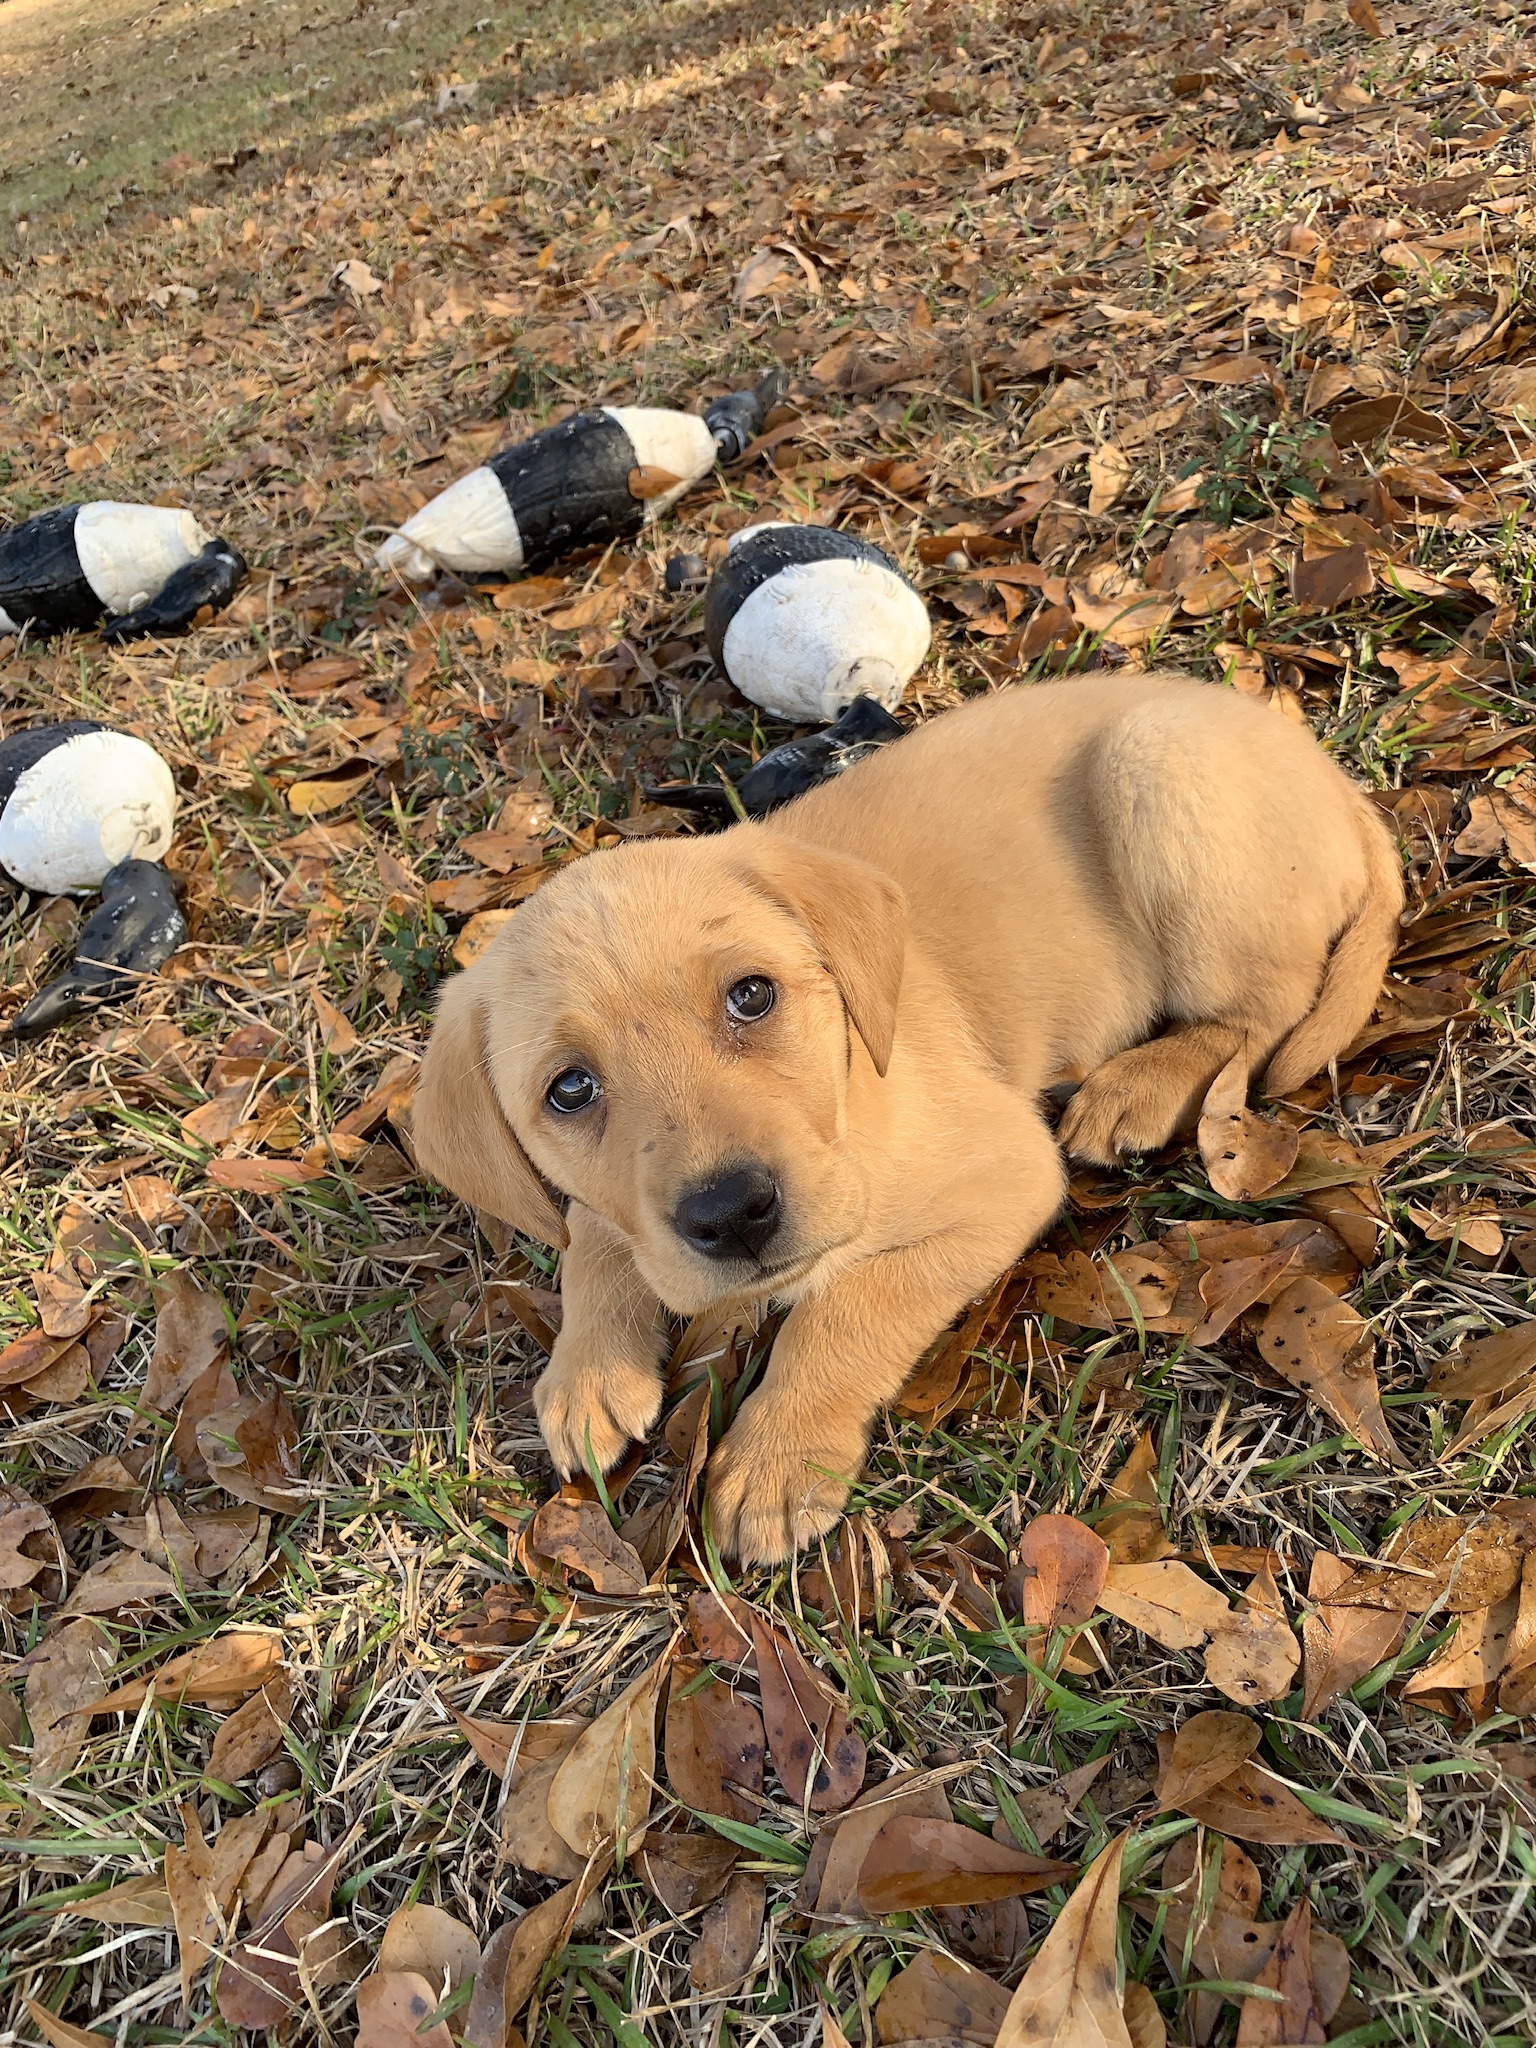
{"points": [[666, 1033]]}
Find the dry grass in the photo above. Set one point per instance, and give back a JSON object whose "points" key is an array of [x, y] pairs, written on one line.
{"points": [[576, 239]]}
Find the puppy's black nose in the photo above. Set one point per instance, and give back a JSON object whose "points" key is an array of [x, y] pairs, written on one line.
{"points": [[730, 1218]]}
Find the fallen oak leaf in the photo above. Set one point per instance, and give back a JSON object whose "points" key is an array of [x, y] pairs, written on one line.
{"points": [[544, 1930], [63, 2033], [917, 1793], [938, 1998], [1476, 1655], [136, 1902], [1059, 1573], [1244, 1154], [64, 1671], [1341, 1645], [729, 1937], [1207, 1749], [685, 1871], [819, 1758], [915, 1863], [1166, 1601], [201, 1880], [1297, 2015], [192, 1329], [1256, 1656], [713, 1744], [601, 1791], [393, 2007], [1324, 1348], [433, 1944], [252, 1450], [579, 1535], [252, 1735], [1070, 1994], [1251, 1804], [17, 1524], [259, 1981], [227, 1667], [1235, 1285]]}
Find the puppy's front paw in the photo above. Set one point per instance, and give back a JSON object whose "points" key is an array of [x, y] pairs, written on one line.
{"points": [[771, 1490], [607, 1402], [1113, 1115]]}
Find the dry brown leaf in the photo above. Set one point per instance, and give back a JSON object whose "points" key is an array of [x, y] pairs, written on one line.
{"points": [[1476, 1655], [226, 1668], [686, 1871], [252, 1735], [819, 1758], [919, 1793], [252, 1450], [201, 1880], [1324, 1348], [1166, 1601], [1060, 1572], [713, 1746], [527, 1838], [914, 1863], [1517, 1687], [1250, 1804], [1245, 1154], [1256, 1656], [259, 1982], [1109, 474], [578, 1534], [1341, 1645], [17, 1524], [1143, 2021], [601, 1790], [65, 1673], [485, 2023], [336, 1032], [729, 1938], [518, 1744], [63, 1306], [63, 2033], [1298, 2017], [1484, 1366], [648, 480], [391, 2008], [430, 1943], [1205, 1752], [136, 1902], [1235, 1285], [721, 1629], [1070, 1996], [939, 1998], [1328, 581], [191, 1333], [545, 1929], [126, 1580]]}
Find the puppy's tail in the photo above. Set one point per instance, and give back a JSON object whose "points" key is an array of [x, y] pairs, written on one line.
{"points": [[1353, 975]]}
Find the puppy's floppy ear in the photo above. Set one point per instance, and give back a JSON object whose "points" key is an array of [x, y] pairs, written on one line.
{"points": [[857, 916], [460, 1130]]}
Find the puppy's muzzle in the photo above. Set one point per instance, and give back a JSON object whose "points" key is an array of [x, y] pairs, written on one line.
{"points": [[734, 1217]]}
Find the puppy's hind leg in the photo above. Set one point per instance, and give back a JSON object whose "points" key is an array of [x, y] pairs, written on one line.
{"points": [[602, 1387], [1139, 1100]]}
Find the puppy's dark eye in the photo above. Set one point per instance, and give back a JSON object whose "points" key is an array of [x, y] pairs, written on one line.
{"points": [[574, 1089], [750, 998]]}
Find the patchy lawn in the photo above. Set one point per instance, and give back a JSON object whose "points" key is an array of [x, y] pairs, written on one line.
{"points": [[1136, 337]]}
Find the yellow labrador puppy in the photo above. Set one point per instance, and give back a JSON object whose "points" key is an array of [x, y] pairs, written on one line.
{"points": [[804, 1059]]}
